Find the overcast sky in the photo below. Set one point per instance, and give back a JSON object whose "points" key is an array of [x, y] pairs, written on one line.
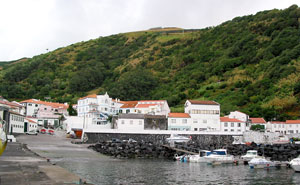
{"points": [[30, 27]]}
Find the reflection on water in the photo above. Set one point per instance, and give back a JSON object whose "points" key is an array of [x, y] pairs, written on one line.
{"points": [[145, 171]]}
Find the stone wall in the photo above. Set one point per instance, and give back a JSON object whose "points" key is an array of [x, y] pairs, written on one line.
{"points": [[202, 141]]}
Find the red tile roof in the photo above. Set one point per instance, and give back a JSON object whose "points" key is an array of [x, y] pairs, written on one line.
{"points": [[89, 96], [277, 122], [226, 119], [145, 105], [179, 115], [152, 100], [10, 103], [292, 121], [129, 104], [29, 120], [52, 104], [257, 120], [203, 102]]}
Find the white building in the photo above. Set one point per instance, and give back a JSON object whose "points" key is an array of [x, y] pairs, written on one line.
{"points": [[179, 121], [131, 122], [35, 108], [239, 115], [232, 125], [154, 107], [30, 124], [95, 106], [128, 107], [17, 123], [292, 126], [205, 115], [13, 106]]}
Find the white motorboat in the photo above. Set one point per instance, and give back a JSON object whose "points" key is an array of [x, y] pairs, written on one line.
{"points": [[177, 138], [250, 155], [295, 164], [200, 157], [219, 156], [260, 163]]}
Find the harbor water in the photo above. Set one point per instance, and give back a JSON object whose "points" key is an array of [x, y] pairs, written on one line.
{"points": [[153, 171], [103, 170]]}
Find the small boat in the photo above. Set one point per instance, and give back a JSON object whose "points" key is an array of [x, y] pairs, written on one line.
{"points": [[295, 164], [182, 158], [177, 138], [200, 158], [260, 163], [250, 155], [219, 156]]}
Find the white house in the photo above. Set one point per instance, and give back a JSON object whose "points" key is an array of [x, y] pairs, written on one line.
{"points": [[17, 123], [128, 107], [232, 125], [95, 106], [292, 126], [155, 107], [46, 112], [179, 121], [239, 115], [131, 122], [278, 126], [30, 124], [205, 115], [13, 106]]}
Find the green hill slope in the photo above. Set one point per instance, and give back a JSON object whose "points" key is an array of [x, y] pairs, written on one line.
{"points": [[249, 64]]}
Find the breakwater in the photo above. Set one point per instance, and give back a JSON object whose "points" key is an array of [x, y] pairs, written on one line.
{"points": [[276, 152]]}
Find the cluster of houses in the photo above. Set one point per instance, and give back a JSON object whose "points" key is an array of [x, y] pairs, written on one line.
{"points": [[101, 112], [30, 115]]}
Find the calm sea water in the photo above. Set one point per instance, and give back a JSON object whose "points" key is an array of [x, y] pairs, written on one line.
{"points": [[153, 171]]}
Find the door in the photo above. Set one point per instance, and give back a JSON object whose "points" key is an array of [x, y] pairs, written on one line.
{"points": [[25, 127], [45, 123]]}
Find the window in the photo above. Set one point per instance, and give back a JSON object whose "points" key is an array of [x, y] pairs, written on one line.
{"points": [[195, 129], [36, 105], [45, 108], [122, 122], [225, 130], [239, 124], [184, 120], [274, 125], [204, 121], [232, 124], [290, 125], [226, 125], [29, 104], [173, 120], [232, 130], [195, 121]]}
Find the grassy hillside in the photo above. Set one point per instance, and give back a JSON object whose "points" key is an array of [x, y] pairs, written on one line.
{"points": [[250, 64]]}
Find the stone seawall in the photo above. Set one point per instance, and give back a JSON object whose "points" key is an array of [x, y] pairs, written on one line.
{"points": [[276, 152], [201, 141], [151, 146]]}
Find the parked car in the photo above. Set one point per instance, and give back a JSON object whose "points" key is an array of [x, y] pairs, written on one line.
{"points": [[43, 131], [31, 132], [51, 132]]}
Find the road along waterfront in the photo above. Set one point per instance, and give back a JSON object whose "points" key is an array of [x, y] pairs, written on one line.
{"points": [[99, 169]]}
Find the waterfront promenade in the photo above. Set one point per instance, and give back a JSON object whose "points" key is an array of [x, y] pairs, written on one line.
{"points": [[20, 165]]}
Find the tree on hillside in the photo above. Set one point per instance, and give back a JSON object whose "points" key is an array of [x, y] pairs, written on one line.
{"points": [[134, 85], [71, 110]]}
